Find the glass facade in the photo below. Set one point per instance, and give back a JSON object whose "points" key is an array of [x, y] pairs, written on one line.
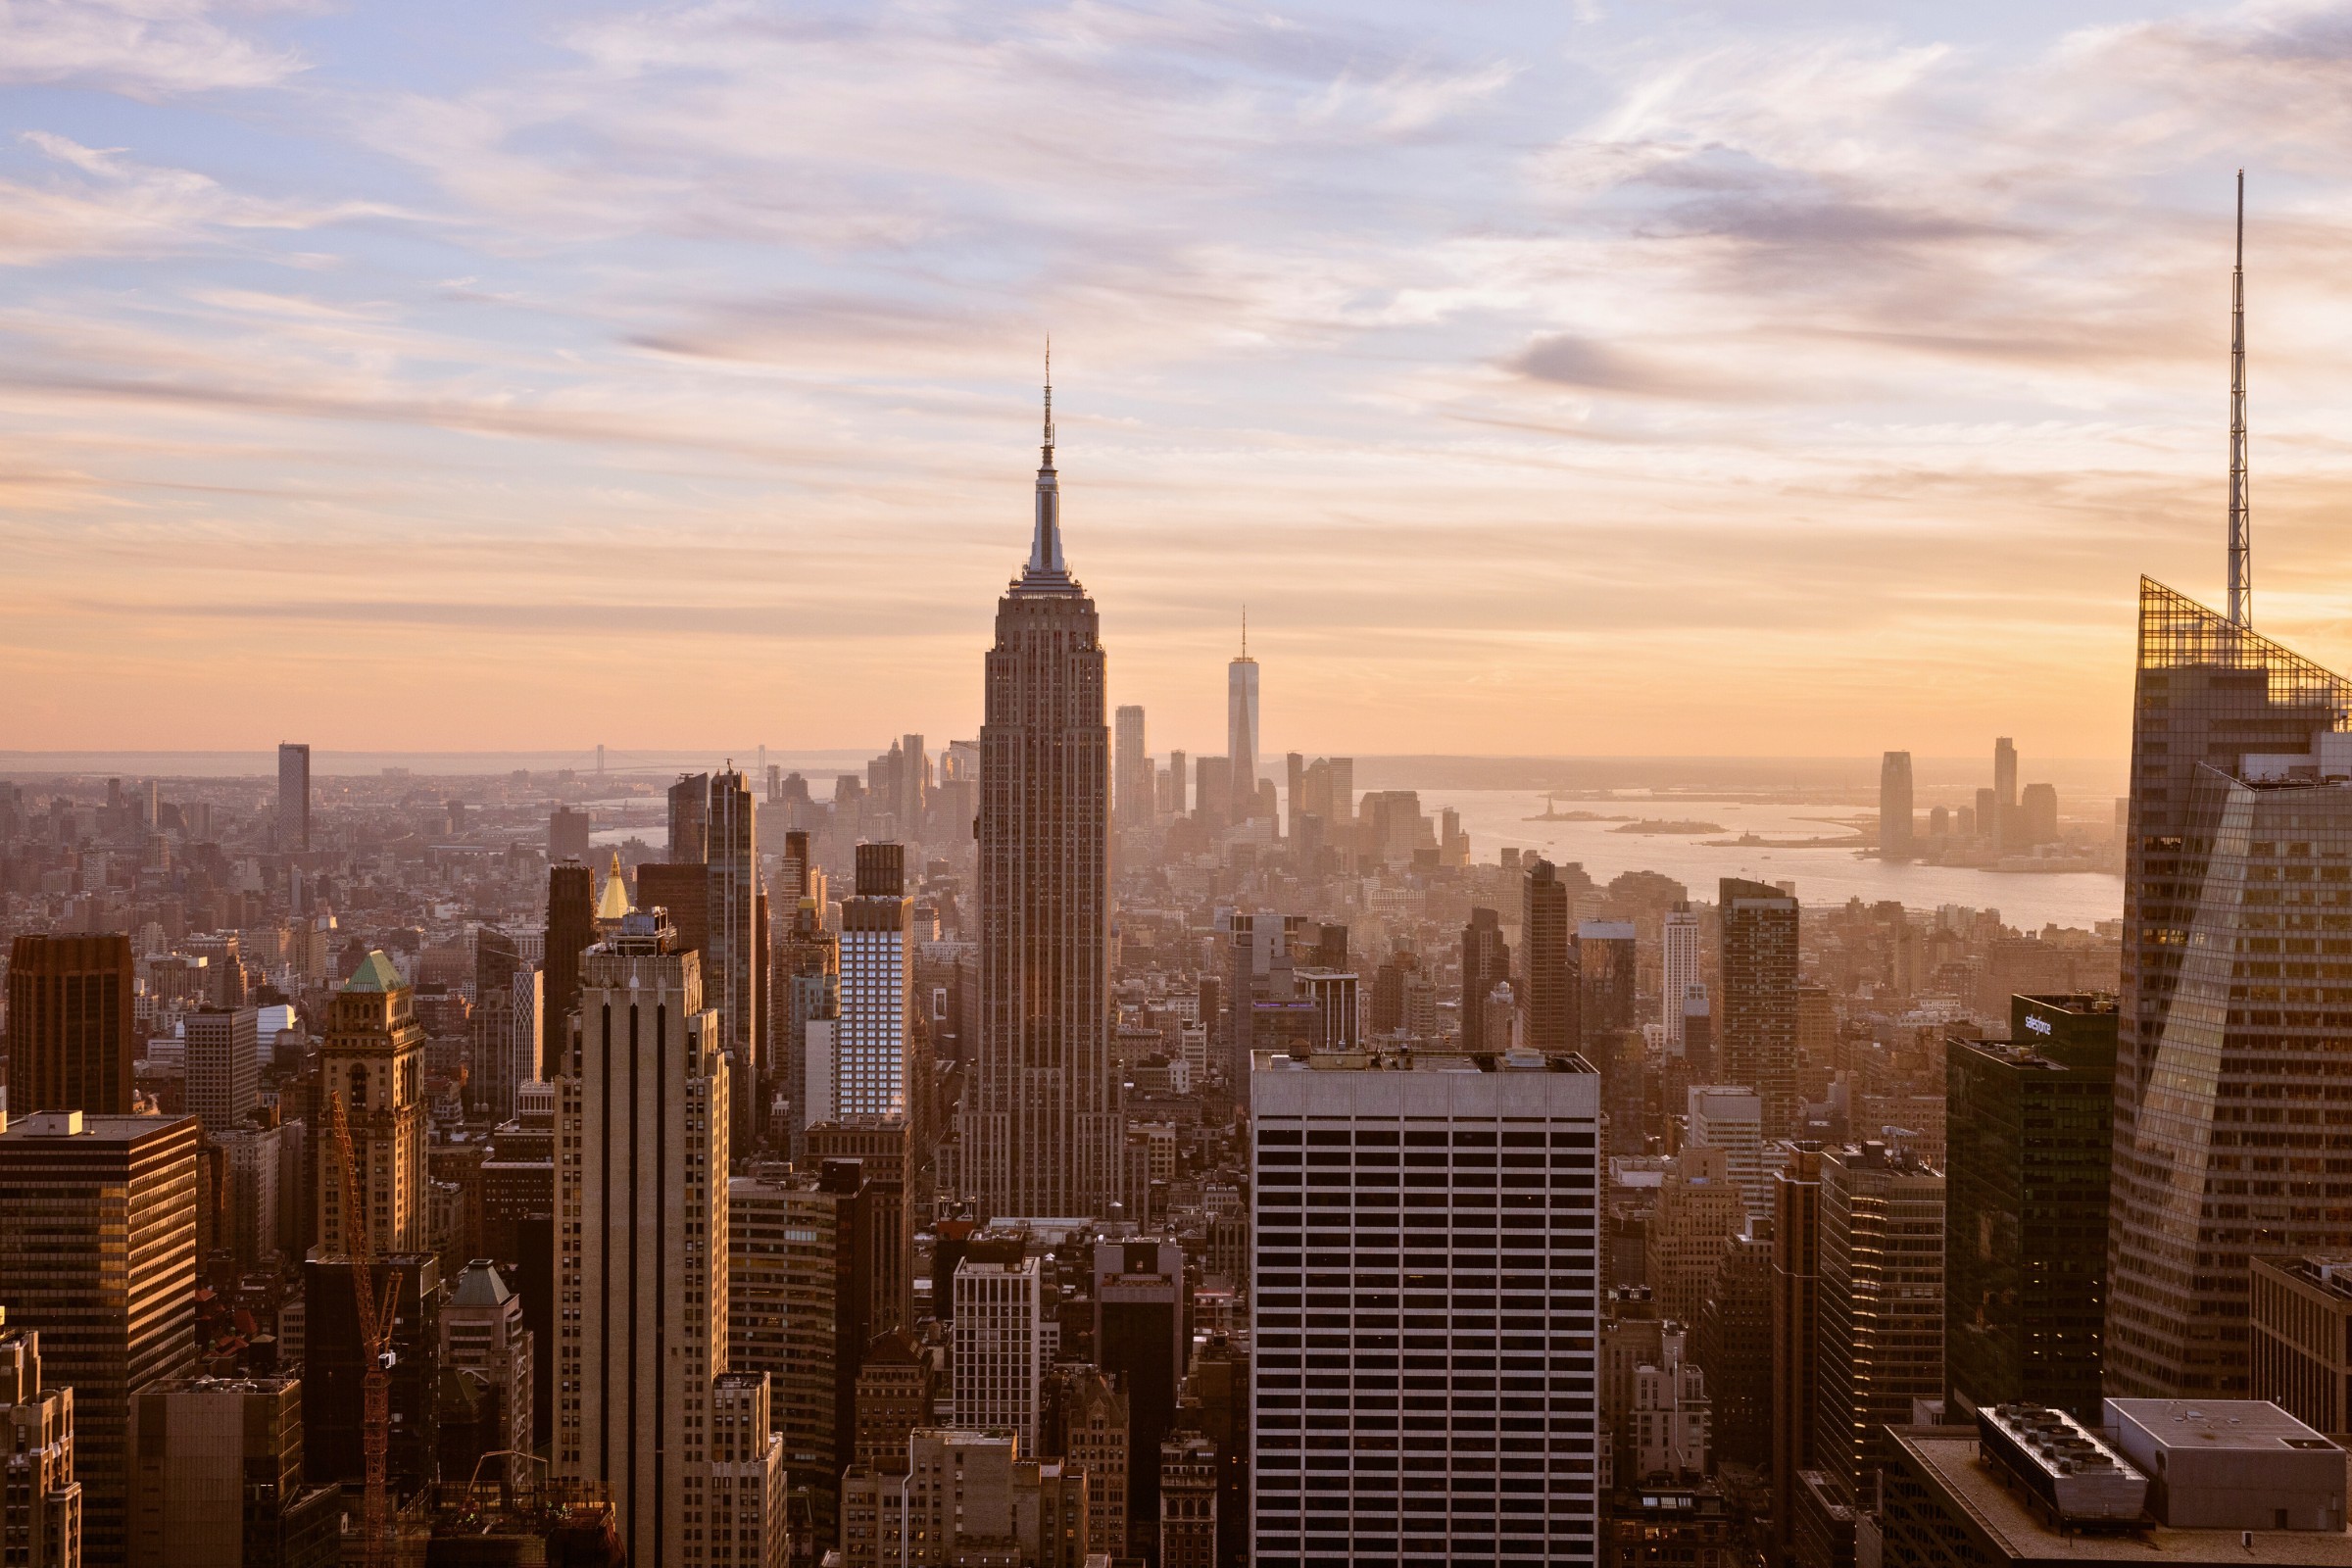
{"points": [[2237, 996], [2029, 1140]]}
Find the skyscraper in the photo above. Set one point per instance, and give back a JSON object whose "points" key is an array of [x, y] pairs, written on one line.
{"points": [[2240, 814], [217, 1478], [1756, 1023], [224, 1075], [1137, 781], [2005, 792], [1796, 1333], [1548, 978], [1678, 935], [690, 820], [1039, 1131], [732, 981], [642, 1222], [2029, 1141], [1457, 1475], [69, 1018], [868, 1069], [374, 1058], [293, 798], [570, 929], [1895, 806], [40, 1510], [1486, 964], [1881, 1303], [98, 1256], [1240, 730], [1140, 1340], [1003, 1337]]}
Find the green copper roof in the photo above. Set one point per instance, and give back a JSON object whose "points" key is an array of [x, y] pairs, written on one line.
{"points": [[374, 973]]}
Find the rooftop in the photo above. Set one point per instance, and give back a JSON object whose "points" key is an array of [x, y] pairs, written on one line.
{"points": [[1948, 1455], [1408, 1060], [374, 973]]}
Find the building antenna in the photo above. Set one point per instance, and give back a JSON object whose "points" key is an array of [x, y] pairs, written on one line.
{"points": [[2241, 568], [1244, 631]]}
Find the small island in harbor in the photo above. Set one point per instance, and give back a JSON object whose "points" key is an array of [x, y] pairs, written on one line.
{"points": [[1653, 825]]}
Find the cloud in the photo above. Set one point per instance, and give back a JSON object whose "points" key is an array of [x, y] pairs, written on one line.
{"points": [[122, 206], [147, 49]]}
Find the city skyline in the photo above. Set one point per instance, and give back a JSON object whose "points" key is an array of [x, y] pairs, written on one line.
{"points": [[283, 391]]}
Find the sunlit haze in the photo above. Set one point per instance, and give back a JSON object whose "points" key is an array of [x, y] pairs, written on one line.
{"points": [[1546, 379]]}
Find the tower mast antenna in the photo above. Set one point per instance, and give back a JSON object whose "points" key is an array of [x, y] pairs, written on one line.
{"points": [[2242, 567]]}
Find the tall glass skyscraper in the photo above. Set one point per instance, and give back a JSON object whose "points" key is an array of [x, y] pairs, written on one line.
{"points": [[2238, 882], [1241, 731], [1040, 1130]]}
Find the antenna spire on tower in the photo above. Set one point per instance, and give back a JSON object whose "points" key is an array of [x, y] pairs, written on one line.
{"points": [[1244, 631], [2241, 568]]}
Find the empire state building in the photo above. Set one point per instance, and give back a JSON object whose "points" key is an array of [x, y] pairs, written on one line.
{"points": [[1040, 1130]]}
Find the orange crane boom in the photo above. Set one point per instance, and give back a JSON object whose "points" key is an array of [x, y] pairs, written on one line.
{"points": [[375, 1313]]}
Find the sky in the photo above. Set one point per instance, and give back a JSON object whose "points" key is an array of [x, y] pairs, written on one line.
{"points": [[1560, 379]]}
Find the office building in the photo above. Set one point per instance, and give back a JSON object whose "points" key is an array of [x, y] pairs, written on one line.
{"points": [[883, 1153], [1093, 1437], [866, 1076], [1241, 730], [225, 1073], [1213, 804], [258, 1175], [293, 798], [40, 1507], [1175, 776], [1039, 1129], [2301, 1311], [1443, 1465], [1486, 964], [964, 1497], [1138, 781], [1546, 988], [1755, 1030], [374, 1060], [2005, 793], [735, 954], [217, 1478], [1141, 1339], [1608, 1034], [70, 1012], [1678, 955], [483, 1337], [642, 1224], [2028, 1143], [1188, 1475], [1734, 1344], [1796, 1332], [1895, 806], [1697, 1032], [334, 1369], [495, 1072], [898, 1387], [796, 1287], [2037, 816], [2238, 810], [1700, 1206], [2228, 1482], [568, 830], [1672, 1417], [743, 1510], [1728, 1117], [808, 993], [689, 821], [1003, 1337], [1881, 1305], [570, 929], [98, 1256]]}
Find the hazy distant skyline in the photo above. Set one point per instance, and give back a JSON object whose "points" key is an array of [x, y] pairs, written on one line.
{"points": [[1547, 379]]}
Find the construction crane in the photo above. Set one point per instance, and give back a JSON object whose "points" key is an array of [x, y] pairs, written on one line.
{"points": [[376, 1312]]}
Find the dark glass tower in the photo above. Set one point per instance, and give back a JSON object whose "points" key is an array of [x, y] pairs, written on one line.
{"points": [[2236, 886], [2029, 1137], [1547, 977], [1756, 1028], [1040, 1133]]}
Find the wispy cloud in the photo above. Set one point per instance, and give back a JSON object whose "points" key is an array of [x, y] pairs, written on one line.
{"points": [[1594, 379]]}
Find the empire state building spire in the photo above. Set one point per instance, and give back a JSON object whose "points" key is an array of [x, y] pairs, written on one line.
{"points": [[1045, 572]]}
